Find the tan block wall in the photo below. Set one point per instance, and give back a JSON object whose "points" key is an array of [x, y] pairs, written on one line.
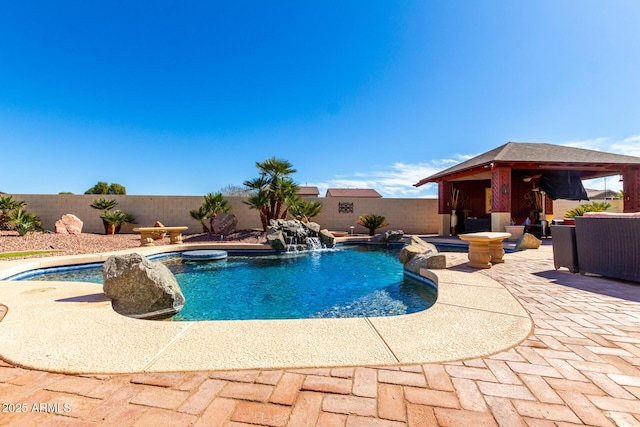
{"points": [[413, 216], [561, 206]]}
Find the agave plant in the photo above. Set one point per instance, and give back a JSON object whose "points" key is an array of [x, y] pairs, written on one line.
{"points": [[372, 222], [23, 222]]}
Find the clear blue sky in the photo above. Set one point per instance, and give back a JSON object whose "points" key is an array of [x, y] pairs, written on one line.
{"points": [[182, 98]]}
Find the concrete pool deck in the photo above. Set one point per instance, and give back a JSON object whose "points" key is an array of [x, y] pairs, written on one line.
{"points": [[71, 328], [580, 366]]}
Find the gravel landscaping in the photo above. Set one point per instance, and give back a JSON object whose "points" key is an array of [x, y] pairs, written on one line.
{"points": [[86, 243]]}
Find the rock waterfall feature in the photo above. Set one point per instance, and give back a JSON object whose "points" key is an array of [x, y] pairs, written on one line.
{"points": [[294, 235]]}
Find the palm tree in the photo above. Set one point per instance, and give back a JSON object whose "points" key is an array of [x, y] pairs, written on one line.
{"points": [[200, 215], [274, 191], [259, 198], [287, 194], [215, 204], [303, 211]]}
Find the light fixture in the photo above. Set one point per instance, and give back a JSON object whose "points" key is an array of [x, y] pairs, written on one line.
{"points": [[621, 179], [504, 189], [526, 178]]}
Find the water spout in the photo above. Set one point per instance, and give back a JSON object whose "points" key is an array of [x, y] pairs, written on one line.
{"points": [[314, 243]]}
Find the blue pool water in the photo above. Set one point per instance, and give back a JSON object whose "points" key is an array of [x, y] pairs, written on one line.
{"points": [[346, 282]]}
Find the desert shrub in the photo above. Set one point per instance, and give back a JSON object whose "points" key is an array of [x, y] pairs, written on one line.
{"points": [[591, 207], [23, 222], [372, 222]]}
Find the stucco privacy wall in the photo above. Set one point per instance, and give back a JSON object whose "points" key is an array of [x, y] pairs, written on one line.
{"points": [[561, 206], [338, 213]]}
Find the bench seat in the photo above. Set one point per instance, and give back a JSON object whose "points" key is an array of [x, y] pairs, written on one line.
{"points": [[146, 234]]}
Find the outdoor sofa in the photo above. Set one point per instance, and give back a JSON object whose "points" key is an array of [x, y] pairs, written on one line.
{"points": [[608, 244]]}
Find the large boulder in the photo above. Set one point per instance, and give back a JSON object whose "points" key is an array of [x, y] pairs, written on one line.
{"points": [[225, 223], [327, 238], [276, 238], [68, 224], [529, 241], [390, 236], [428, 260], [312, 227], [415, 246], [140, 288]]}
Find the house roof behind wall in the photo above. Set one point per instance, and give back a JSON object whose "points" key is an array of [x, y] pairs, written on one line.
{"points": [[352, 192], [308, 191], [601, 194]]}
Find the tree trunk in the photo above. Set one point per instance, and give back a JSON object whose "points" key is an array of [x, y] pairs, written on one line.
{"points": [[263, 219]]}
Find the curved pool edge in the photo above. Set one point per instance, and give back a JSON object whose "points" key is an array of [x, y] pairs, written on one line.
{"points": [[73, 329]]}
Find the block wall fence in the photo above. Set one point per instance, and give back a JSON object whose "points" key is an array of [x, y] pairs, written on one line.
{"points": [[413, 216]]}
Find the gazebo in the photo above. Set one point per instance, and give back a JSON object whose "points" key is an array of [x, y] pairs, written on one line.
{"points": [[519, 180]]}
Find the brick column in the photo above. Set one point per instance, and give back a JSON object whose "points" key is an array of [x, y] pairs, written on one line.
{"points": [[444, 208], [444, 197], [631, 187], [501, 190], [548, 206]]}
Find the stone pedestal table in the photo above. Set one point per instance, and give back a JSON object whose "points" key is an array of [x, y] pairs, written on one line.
{"points": [[485, 248]]}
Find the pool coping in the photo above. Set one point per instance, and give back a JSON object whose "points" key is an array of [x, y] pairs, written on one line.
{"points": [[70, 328]]}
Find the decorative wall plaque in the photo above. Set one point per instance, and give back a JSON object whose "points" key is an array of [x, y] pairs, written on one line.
{"points": [[345, 207]]}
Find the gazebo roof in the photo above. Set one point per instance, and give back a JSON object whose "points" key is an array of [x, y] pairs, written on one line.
{"points": [[535, 157]]}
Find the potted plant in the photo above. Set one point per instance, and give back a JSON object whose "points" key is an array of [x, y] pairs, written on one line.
{"points": [[455, 198], [104, 205], [115, 219]]}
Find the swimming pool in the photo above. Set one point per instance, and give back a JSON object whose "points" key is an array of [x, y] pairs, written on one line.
{"points": [[349, 281]]}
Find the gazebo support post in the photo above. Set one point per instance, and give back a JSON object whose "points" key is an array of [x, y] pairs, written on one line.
{"points": [[444, 208], [631, 189], [500, 198]]}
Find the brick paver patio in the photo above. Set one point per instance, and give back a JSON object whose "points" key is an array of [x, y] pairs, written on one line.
{"points": [[581, 366]]}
